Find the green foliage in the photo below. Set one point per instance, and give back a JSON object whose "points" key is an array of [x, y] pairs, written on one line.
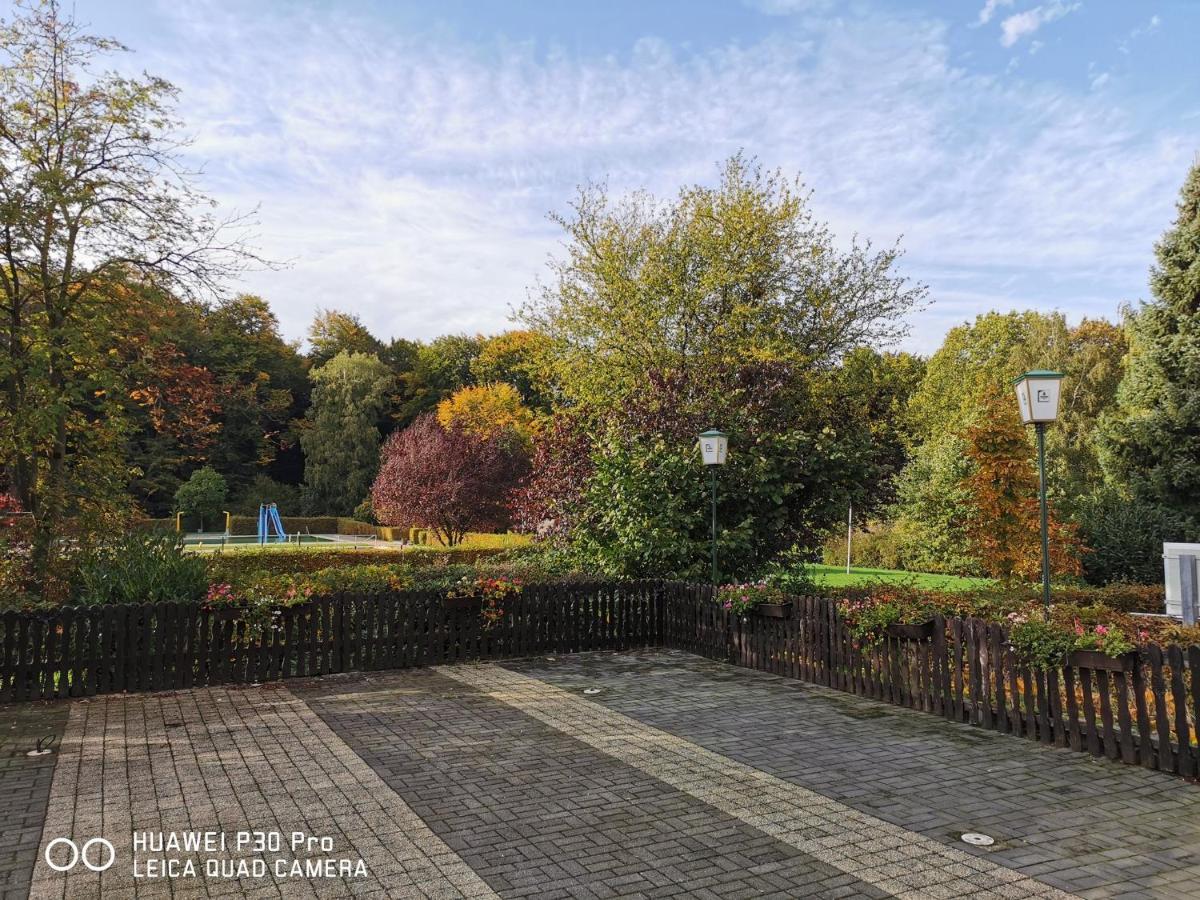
{"points": [[931, 510], [1124, 537], [138, 568], [202, 495], [438, 369], [264, 489], [1040, 644], [341, 434], [723, 276], [333, 332], [1152, 443]]}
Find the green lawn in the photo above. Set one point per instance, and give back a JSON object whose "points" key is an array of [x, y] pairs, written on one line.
{"points": [[835, 576]]}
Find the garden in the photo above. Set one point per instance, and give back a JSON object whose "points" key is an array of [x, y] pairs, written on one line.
{"points": [[564, 450]]}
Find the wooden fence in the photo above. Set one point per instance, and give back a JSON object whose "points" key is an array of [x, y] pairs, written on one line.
{"points": [[78, 652], [965, 672]]}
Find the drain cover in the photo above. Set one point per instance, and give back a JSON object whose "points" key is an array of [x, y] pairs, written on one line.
{"points": [[975, 839], [591, 690]]}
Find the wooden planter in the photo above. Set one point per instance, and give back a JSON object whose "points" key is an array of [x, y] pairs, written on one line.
{"points": [[774, 610], [920, 631], [1095, 659]]}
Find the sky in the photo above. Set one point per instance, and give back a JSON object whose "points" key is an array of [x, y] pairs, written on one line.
{"points": [[403, 157]]}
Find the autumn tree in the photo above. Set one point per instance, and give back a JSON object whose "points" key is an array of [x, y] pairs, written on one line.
{"points": [[491, 410], [341, 435], [445, 479], [1004, 519], [92, 192], [518, 358]]}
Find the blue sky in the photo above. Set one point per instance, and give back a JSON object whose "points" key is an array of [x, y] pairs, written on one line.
{"points": [[404, 155]]}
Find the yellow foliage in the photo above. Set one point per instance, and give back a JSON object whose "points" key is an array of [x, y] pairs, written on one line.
{"points": [[488, 410]]}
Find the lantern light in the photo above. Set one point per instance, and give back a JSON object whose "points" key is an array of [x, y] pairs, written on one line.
{"points": [[713, 447], [1037, 395]]}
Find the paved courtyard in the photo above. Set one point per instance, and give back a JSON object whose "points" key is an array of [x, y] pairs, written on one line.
{"points": [[651, 774]]}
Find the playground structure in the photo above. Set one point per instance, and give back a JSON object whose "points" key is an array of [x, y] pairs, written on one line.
{"points": [[268, 519]]}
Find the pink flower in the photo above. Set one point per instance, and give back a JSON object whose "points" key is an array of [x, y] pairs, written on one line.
{"points": [[1101, 630]]}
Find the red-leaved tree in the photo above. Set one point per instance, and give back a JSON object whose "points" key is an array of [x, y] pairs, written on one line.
{"points": [[445, 479]]}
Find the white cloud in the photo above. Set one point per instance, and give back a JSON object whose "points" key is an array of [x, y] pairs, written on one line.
{"points": [[989, 10], [409, 175], [1140, 31], [1026, 23], [1100, 80]]}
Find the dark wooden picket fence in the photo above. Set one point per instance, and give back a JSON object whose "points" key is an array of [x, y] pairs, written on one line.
{"points": [[78, 652], [965, 672]]}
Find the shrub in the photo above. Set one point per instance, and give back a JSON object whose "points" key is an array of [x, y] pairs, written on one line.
{"points": [[1124, 538], [868, 615], [878, 547], [139, 568], [202, 495], [741, 598], [291, 524], [1040, 644]]}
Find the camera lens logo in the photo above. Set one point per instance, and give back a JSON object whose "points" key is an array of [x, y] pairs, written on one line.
{"points": [[91, 854]]}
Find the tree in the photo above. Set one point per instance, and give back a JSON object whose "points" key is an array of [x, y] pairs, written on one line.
{"points": [[517, 358], [448, 480], [722, 277], [728, 307], [441, 367], [202, 495], [932, 504], [492, 410], [1152, 443], [1003, 521], [341, 434], [333, 332], [92, 193]]}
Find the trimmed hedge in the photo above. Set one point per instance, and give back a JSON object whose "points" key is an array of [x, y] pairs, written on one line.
{"points": [[307, 559], [291, 524], [1123, 598]]}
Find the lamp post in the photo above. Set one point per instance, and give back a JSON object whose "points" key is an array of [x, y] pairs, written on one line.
{"points": [[1037, 398], [713, 447]]}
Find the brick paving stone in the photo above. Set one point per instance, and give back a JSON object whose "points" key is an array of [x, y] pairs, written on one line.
{"points": [[1060, 816], [538, 813], [24, 789], [232, 760], [823, 828]]}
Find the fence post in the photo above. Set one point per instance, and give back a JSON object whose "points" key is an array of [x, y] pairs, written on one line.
{"points": [[1189, 595]]}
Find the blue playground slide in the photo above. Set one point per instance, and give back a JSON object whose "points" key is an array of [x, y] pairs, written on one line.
{"points": [[268, 519]]}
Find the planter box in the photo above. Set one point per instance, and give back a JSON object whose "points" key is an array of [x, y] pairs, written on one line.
{"points": [[921, 631], [774, 610], [1094, 659]]}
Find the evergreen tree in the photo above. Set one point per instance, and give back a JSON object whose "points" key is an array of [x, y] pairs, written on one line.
{"points": [[1153, 443], [341, 435]]}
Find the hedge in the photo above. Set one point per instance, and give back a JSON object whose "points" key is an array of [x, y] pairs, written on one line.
{"points": [[307, 559], [1123, 598]]}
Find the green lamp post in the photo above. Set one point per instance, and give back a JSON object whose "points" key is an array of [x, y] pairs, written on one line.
{"points": [[1037, 396], [714, 445]]}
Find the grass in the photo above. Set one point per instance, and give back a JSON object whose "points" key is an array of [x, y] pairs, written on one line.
{"points": [[835, 576]]}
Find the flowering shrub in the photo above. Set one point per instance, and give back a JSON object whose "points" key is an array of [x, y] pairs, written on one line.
{"points": [[1108, 639], [1044, 645], [868, 618], [492, 592], [741, 598]]}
